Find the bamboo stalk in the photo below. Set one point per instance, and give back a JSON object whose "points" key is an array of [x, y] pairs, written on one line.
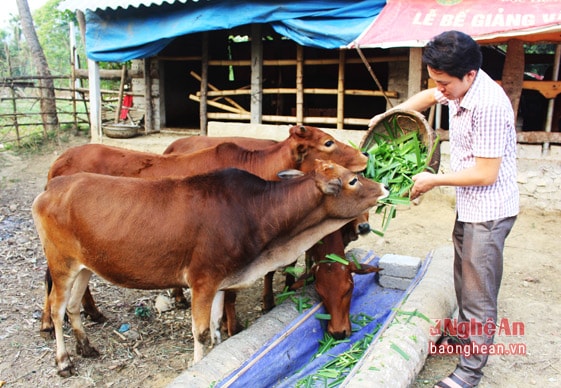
{"points": [[351, 92], [373, 75], [341, 90], [299, 84], [225, 107], [293, 62], [121, 91], [214, 88]]}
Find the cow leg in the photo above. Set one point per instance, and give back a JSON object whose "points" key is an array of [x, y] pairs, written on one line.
{"points": [[83, 346], [289, 278], [47, 329], [90, 309], [268, 294], [232, 323], [268, 297], [180, 301], [58, 298], [216, 314], [201, 305]]}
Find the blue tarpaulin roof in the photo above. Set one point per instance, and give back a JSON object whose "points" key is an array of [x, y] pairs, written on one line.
{"points": [[118, 35]]}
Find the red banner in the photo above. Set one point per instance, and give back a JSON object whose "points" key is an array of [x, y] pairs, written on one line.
{"points": [[412, 23]]}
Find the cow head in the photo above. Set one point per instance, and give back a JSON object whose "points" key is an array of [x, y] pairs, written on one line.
{"points": [[341, 184], [334, 284], [357, 227], [310, 143]]}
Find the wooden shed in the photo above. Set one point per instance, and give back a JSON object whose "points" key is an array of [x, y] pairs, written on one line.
{"points": [[250, 62], [332, 64]]}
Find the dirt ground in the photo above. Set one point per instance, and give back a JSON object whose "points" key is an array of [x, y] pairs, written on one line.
{"points": [[159, 347]]}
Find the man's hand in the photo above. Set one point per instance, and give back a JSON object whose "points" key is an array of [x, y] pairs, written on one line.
{"points": [[424, 182]]}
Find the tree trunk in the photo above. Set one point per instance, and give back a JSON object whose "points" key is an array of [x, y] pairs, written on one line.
{"points": [[48, 102]]}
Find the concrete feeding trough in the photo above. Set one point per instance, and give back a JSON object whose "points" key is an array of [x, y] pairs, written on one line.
{"points": [[281, 344]]}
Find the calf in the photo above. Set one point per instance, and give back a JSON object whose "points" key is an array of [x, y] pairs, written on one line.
{"points": [[155, 234]]}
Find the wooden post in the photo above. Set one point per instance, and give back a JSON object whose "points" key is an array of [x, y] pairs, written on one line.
{"points": [[203, 117], [256, 75], [121, 91], [299, 85], [13, 95], [415, 71], [513, 73], [551, 102], [341, 90], [148, 114], [73, 74], [95, 101]]}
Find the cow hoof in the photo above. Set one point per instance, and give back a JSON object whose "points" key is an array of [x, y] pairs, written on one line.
{"points": [[96, 317], [86, 351], [182, 304], [66, 368], [268, 307], [48, 333], [67, 372]]}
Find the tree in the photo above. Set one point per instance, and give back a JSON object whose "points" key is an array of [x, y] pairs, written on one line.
{"points": [[48, 101]]}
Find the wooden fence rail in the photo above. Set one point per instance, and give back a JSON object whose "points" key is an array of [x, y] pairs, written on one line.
{"points": [[20, 113]]}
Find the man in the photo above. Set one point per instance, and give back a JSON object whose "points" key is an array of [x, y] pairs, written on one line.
{"points": [[483, 164]]}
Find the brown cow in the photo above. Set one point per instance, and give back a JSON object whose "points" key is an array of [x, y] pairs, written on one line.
{"points": [[187, 145], [333, 280], [337, 301], [298, 151], [165, 233], [303, 145]]}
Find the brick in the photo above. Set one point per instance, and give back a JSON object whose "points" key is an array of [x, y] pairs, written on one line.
{"points": [[388, 281], [400, 266]]}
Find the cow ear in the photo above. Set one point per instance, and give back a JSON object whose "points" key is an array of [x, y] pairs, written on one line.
{"points": [[364, 268], [305, 279], [299, 130], [332, 186], [289, 174], [300, 153]]}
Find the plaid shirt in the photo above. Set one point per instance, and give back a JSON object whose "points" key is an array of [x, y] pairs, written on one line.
{"points": [[482, 125]]}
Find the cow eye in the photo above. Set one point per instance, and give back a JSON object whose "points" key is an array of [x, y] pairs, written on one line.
{"points": [[329, 143], [353, 181]]}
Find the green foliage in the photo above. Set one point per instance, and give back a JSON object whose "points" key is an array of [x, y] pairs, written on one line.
{"points": [[394, 158], [53, 30]]}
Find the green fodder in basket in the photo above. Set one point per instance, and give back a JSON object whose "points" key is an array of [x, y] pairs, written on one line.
{"points": [[393, 159]]}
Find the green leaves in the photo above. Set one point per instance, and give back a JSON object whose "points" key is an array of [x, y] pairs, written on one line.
{"points": [[393, 159]]}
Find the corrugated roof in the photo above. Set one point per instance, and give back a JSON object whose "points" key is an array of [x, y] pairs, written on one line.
{"points": [[92, 5], [120, 30]]}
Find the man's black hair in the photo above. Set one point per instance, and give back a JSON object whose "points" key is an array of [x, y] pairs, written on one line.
{"points": [[453, 52]]}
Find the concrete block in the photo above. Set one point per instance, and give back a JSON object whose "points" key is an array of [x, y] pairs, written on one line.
{"points": [[399, 266], [398, 283]]}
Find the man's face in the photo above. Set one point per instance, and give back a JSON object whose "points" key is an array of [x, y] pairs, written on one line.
{"points": [[453, 88]]}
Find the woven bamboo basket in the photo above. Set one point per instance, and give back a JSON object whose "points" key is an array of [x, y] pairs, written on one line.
{"points": [[408, 121]]}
